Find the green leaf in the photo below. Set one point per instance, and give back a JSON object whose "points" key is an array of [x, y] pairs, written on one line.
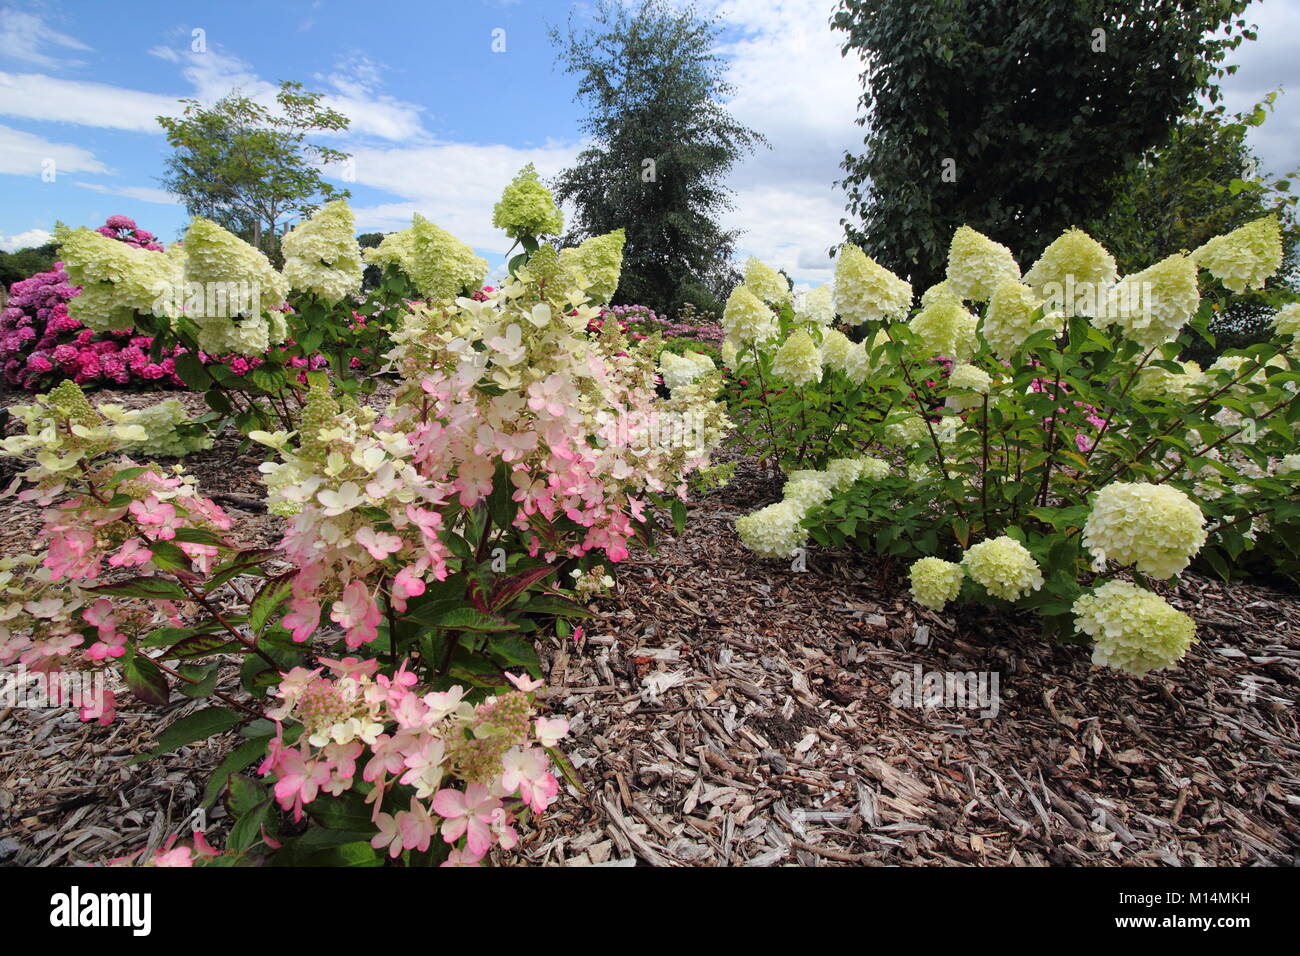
{"points": [[198, 726], [264, 605], [679, 515], [468, 619], [190, 370], [146, 681], [154, 589], [515, 651]]}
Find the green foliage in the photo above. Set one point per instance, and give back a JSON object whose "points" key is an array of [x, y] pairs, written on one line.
{"points": [[1037, 121], [1202, 182], [662, 141], [249, 168], [25, 263]]}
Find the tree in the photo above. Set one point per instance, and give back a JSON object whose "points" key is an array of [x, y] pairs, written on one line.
{"points": [[251, 169], [1013, 117], [25, 263], [1203, 182], [662, 141]]}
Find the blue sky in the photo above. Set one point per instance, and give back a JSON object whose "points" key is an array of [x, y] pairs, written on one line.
{"points": [[440, 122]]}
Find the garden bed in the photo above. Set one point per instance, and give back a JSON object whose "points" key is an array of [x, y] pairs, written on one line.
{"points": [[727, 710]]}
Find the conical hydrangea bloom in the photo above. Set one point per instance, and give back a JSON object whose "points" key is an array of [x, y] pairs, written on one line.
{"points": [[977, 265], [766, 283], [1244, 258], [240, 321], [1153, 305], [117, 280], [1010, 319], [1073, 272], [527, 208], [866, 291], [440, 265], [945, 328], [746, 318], [816, 306], [798, 361], [321, 255], [595, 265]]}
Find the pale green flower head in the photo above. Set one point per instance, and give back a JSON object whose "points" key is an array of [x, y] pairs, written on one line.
{"points": [[945, 327], [746, 318], [1286, 323], [1153, 305], [1010, 318], [866, 291], [977, 265], [1004, 566], [1135, 630], [1074, 270], [321, 255], [816, 306], [440, 265], [1244, 258], [798, 361], [935, 582], [117, 280], [527, 208], [596, 265], [1156, 528], [766, 283], [775, 531]]}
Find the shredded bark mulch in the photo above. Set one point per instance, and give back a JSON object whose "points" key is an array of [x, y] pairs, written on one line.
{"points": [[731, 711]]}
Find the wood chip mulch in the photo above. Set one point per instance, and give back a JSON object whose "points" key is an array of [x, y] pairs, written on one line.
{"points": [[732, 711]]}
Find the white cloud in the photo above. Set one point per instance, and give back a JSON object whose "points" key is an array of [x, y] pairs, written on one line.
{"points": [[453, 184], [1266, 64], [25, 154], [23, 36], [355, 81], [38, 97], [25, 240], [794, 87], [141, 193]]}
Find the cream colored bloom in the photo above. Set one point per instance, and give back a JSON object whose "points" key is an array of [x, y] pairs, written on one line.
{"points": [[866, 291], [1156, 528], [977, 265], [1135, 631], [1004, 566], [935, 582], [766, 283], [1244, 258]]}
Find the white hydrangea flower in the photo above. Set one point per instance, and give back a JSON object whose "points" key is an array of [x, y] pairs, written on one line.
{"points": [[1244, 258], [866, 291], [1153, 305], [816, 306], [945, 328], [1010, 318], [1156, 528], [1135, 630], [747, 319], [1004, 566], [1287, 321], [1073, 272], [798, 361], [321, 255], [935, 582], [774, 531], [977, 265], [765, 282]]}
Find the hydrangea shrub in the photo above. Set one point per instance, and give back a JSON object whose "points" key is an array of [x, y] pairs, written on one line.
{"points": [[1035, 440]]}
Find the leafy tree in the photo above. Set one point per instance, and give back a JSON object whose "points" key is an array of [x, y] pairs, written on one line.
{"points": [[1013, 117], [1203, 182], [662, 141], [251, 169], [373, 275], [25, 263]]}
